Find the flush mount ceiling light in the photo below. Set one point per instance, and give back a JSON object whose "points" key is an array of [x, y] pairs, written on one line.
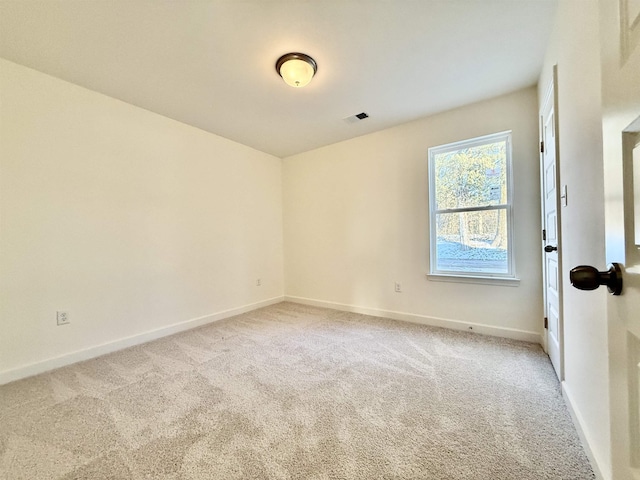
{"points": [[296, 69]]}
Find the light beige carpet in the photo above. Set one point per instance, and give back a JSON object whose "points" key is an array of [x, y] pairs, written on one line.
{"points": [[296, 392]]}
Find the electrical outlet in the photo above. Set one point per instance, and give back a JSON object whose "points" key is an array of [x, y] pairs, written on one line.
{"points": [[398, 288], [258, 282], [62, 318]]}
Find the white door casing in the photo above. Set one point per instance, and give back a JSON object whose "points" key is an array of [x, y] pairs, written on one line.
{"points": [[551, 267], [620, 62]]}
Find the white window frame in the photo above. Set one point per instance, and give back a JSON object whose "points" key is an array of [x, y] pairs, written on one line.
{"points": [[508, 278]]}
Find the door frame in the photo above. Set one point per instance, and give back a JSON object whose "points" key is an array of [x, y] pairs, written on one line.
{"points": [[551, 95]]}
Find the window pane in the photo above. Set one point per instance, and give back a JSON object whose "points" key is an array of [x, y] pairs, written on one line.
{"points": [[471, 177], [472, 242]]}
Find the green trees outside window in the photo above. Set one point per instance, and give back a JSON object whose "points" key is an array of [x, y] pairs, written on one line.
{"points": [[470, 207]]}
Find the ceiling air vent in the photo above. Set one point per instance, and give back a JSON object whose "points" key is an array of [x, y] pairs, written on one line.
{"points": [[356, 118]]}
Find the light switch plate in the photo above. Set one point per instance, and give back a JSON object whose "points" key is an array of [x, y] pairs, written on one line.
{"points": [[563, 196]]}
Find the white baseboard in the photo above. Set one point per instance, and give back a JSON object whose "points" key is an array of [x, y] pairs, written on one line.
{"points": [[97, 350], [504, 332], [596, 462]]}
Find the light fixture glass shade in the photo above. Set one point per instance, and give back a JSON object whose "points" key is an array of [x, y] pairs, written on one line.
{"points": [[296, 69]]}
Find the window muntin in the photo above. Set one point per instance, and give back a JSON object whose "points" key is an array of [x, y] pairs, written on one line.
{"points": [[470, 208]]}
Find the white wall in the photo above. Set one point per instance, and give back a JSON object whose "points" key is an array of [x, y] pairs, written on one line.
{"points": [[574, 47], [356, 221], [129, 221]]}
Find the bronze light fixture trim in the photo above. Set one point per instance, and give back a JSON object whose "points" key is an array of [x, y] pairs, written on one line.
{"points": [[296, 69]]}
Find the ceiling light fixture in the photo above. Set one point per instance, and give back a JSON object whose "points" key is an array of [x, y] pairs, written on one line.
{"points": [[296, 69]]}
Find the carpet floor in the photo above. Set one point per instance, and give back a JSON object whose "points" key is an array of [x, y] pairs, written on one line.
{"points": [[296, 392]]}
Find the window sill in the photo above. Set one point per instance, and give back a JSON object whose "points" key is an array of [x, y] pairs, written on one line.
{"points": [[507, 282]]}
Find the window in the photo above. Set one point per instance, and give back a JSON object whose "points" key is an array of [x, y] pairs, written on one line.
{"points": [[470, 208]]}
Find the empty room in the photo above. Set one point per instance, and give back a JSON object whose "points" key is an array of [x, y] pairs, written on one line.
{"points": [[357, 239]]}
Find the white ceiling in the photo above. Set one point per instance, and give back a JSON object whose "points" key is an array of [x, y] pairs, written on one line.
{"points": [[211, 63]]}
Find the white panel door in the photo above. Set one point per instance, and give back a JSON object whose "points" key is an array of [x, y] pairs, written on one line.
{"points": [[620, 60], [550, 236]]}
